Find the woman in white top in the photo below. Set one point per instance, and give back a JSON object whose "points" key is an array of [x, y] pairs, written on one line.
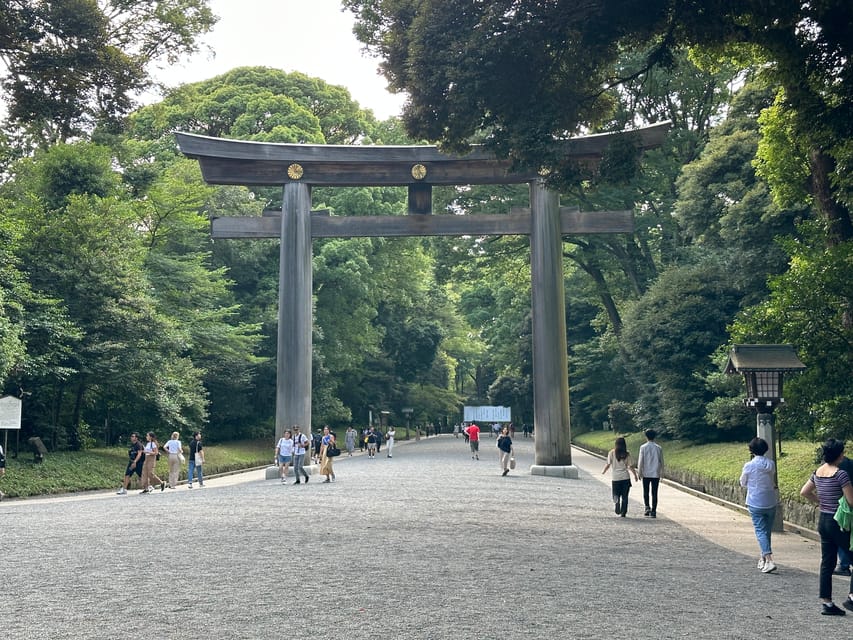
{"points": [[759, 478], [149, 477], [389, 438], [284, 454], [175, 451], [619, 460]]}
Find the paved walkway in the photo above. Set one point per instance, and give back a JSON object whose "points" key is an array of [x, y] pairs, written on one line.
{"points": [[427, 545]]}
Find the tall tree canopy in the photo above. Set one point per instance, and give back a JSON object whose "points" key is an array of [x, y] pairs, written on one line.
{"points": [[67, 65], [526, 72]]}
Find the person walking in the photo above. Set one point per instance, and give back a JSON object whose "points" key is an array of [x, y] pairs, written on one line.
{"points": [[650, 470], [620, 461], [151, 452], [196, 461], [845, 555], [326, 461], [284, 454], [505, 449], [830, 488], [371, 442], [473, 433], [758, 476], [349, 439], [389, 438], [135, 462], [176, 453], [316, 444], [300, 443]]}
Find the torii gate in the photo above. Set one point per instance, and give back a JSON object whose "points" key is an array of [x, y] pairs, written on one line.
{"points": [[298, 167]]}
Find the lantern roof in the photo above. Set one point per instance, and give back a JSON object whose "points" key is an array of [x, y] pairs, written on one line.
{"points": [[763, 357]]}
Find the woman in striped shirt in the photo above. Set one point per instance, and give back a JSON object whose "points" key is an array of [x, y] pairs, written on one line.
{"points": [[825, 488]]}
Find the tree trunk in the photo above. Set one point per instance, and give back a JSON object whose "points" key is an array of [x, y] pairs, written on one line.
{"points": [[839, 226]]}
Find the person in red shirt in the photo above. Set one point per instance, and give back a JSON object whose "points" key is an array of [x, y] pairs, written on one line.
{"points": [[473, 432]]}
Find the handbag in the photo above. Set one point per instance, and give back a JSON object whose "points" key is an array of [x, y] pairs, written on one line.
{"points": [[198, 460], [512, 462], [181, 457], [332, 450]]}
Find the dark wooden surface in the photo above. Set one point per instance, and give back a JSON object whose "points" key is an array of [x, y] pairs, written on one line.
{"points": [[260, 163], [516, 223]]}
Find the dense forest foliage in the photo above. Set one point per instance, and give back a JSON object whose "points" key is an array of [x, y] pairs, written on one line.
{"points": [[118, 312]]}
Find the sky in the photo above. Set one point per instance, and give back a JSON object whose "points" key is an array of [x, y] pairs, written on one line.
{"points": [[311, 36]]}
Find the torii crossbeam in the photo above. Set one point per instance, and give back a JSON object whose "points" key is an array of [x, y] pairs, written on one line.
{"points": [[297, 168]]}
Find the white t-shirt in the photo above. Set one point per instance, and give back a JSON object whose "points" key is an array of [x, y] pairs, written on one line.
{"points": [[173, 446], [390, 436], [619, 468], [285, 447]]}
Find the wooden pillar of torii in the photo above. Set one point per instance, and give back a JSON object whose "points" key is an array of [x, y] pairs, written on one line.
{"points": [[297, 168]]}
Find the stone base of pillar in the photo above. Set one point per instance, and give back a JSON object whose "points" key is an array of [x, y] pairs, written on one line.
{"points": [[555, 471], [271, 472]]}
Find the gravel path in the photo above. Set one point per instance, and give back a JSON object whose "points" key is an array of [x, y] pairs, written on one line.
{"points": [[427, 545]]}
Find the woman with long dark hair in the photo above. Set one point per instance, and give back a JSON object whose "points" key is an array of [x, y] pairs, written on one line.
{"points": [[149, 477], [827, 486], [619, 460]]}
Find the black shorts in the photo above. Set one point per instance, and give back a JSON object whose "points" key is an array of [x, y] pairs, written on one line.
{"points": [[134, 468]]}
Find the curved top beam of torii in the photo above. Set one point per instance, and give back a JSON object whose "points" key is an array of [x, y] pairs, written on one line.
{"points": [[241, 162]]}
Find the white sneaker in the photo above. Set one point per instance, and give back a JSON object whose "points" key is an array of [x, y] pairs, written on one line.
{"points": [[121, 491], [769, 566], [761, 563]]}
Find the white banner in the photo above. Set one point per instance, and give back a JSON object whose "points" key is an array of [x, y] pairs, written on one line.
{"points": [[487, 414], [10, 412]]}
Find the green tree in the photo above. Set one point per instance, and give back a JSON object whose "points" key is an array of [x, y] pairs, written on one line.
{"points": [[529, 73], [805, 308], [671, 334], [71, 64], [12, 347]]}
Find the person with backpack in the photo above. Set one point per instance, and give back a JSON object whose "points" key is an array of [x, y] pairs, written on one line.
{"points": [[300, 444]]}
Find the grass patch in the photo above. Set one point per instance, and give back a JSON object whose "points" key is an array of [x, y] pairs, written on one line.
{"points": [[99, 469], [722, 461]]}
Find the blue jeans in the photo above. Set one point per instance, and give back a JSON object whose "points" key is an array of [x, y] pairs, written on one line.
{"points": [[299, 466], [845, 558], [762, 522], [192, 469]]}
